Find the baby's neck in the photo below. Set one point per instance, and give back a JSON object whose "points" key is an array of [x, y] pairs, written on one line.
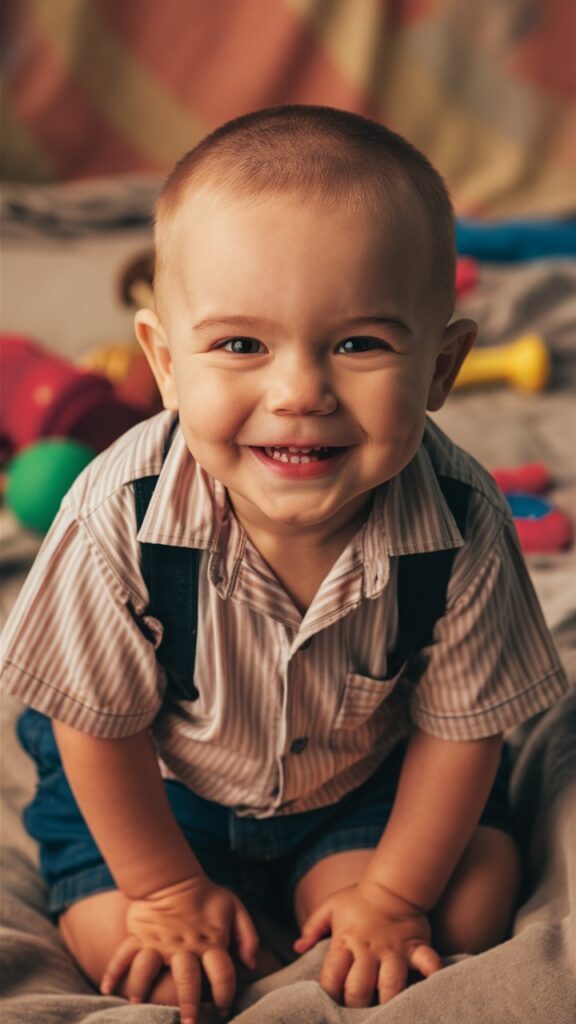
{"points": [[304, 541], [302, 558]]}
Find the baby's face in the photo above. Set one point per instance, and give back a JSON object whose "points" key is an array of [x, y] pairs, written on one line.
{"points": [[298, 344]]}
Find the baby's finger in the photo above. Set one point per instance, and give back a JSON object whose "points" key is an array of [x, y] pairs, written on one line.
{"points": [[425, 960], [392, 977], [187, 977], [118, 964], [361, 982], [245, 936], [314, 928], [144, 969], [220, 972], [334, 971]]}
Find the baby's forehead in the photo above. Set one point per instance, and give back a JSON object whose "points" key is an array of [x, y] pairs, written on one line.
{"points": [[393, 191], [199, 208], [205, 249]]}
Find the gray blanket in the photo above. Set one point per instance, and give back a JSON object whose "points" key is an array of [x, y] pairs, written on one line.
{"points": [[530, 979]]}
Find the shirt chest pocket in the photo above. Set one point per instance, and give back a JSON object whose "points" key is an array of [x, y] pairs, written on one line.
{"points": [[362, 697]]}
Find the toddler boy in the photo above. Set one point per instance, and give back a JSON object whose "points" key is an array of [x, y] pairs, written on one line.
{"points": [[366, 628]]}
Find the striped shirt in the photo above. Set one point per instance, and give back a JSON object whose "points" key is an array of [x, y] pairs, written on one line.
{"points": [[294, 710]]}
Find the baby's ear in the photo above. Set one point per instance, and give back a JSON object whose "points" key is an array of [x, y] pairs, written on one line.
{"points": [[153, 340], [455, 345]]}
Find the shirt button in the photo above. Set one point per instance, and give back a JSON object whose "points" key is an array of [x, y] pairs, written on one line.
{"points": [[297, 746]]}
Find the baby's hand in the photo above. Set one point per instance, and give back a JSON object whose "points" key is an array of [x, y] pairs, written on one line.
{"points": [[376, 938], [187, 927]]}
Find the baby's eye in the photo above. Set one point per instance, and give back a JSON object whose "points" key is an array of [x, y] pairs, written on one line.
{"points": [[243, 346], [361, 344]]}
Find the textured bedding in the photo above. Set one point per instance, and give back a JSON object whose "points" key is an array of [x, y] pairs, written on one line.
{"points": [[529, 979]]}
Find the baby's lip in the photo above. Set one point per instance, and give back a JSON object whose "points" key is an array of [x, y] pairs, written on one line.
{"points": [[298, 444]]}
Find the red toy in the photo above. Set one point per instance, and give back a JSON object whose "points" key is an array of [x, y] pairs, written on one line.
{"points": [[44, 395], [541, 527]]}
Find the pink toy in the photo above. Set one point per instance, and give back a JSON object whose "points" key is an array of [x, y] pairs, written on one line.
{"points": [[532, 478], [467, 274], [542, 528]]}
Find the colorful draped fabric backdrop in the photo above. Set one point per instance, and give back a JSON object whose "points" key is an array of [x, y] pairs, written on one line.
{"points": [[486, 89]]}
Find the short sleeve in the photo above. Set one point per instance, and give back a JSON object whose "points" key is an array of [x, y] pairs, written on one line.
{"points": [[493, 663], [73, 647]]}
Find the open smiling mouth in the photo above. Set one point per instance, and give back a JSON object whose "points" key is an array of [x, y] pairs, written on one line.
{"points": [[300, 456], [298, 462]]}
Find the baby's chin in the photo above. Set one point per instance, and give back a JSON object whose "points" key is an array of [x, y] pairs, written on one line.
{"points": [[295, 509]]}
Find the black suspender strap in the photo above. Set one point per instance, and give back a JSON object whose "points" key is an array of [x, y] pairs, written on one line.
{"points": [[423, 581], [171, 576]]}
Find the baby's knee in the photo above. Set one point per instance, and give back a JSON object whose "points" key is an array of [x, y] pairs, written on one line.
{"points": [[92, 929], [476, 909]]}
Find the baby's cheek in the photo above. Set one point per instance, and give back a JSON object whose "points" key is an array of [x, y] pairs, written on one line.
{"points": [[212, 415], [402, 422], [398, 441]]}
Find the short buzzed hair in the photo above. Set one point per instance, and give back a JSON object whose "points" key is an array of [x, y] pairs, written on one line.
{"points": [[319, 153]]}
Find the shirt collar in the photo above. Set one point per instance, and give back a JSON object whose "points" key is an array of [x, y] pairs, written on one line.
{"points": [[409, 516], [189, 508], [417, 517]]}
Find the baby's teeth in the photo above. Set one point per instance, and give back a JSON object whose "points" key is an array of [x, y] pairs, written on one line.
{"points": [[295, 459]]}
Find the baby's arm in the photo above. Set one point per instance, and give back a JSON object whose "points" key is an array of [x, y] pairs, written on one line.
{"points": [[443, 789], [382, 921], [176, 915]]}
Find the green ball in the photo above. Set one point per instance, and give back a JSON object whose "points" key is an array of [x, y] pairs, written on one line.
{"points": [[39, 476]]}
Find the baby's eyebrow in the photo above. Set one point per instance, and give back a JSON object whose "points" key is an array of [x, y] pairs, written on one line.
{"points": [[379, 321], [232, 321], [254, 321]]}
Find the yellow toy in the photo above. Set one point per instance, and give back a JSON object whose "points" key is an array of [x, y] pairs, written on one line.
{"points": [[124, 363], [523, 363]]}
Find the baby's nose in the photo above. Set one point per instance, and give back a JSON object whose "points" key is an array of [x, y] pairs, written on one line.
{"points": [[301, 388]]}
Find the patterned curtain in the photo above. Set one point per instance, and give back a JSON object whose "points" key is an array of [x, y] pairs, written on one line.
{"points": [[486, 89]]}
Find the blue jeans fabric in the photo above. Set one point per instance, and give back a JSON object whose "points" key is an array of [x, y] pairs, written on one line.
{"points": [[231, 849]]}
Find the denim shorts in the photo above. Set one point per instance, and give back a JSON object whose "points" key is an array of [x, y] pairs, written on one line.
{"points": [[231, 849]]}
